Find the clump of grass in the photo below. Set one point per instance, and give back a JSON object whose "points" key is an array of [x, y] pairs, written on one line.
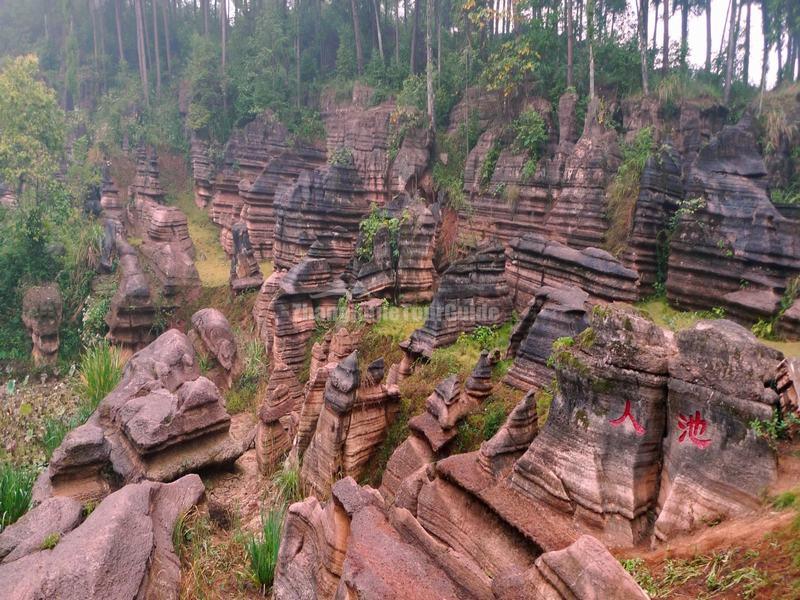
{"points": [[16, 486], [51, 541], [100, 372], [55, 430], [263, 550], [623, 192], [785, 500], [287, 481]]}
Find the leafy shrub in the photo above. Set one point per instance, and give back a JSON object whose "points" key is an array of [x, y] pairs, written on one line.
{"points": [[779, 427], [530, 136], [16, 486], [489, 164], [263, 550], [100, 372], [379, 219], [413, 93]]}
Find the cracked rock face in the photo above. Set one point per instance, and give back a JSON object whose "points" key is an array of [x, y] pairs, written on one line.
{"points": [[41, 314], [161, 421], [123, 549]]}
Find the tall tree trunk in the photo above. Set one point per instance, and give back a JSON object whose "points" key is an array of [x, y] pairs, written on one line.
{"points": [[157, 49], [167, 44], [93, 14], [206, 8], [765, 27], [590, 32], [397, 32], [438, 10], [746, 73], [120, 47], [655, 25], [357, 34], [665, 49], [378, 29], [684, 32], [642, 32], [429, 63], [570, 50], [708, 35], [731, 52], [140, 48], [413, 57]]}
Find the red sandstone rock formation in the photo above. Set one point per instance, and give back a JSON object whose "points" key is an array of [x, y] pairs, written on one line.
{"points": [[41, 314], [245, 272], [163, 420], [132, 313], [202, 170]]}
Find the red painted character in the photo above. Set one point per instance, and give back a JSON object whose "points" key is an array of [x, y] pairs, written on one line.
{"points": [[628, 415], [694, 427]]}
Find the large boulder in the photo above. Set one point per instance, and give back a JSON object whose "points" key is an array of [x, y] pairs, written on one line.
{"points": [[124, 549]]}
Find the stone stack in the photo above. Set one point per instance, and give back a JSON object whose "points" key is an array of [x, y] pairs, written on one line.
{"points": [[731, 248], [147, 183], [259, 194], [305, 293], [245, 272], [330, 201], [41, 314], [354, 419], [131, 316], [163, 420], [401, 268], [472, 292], [202, 171], [112, 207], [534, 261]]}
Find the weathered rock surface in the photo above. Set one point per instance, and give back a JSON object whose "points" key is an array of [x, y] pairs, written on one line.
{"points": [[147, 183], [259, 193], [329, 201], [112, 208], [41, 314], [731, 248], [245, 272], [390, 145], [472, 292], [247, 152], [123, 549], [212, 336], [53, 517], [715, 465], [552, 314], [355, 544], [534, 261], [163, 420], [399, 267]]}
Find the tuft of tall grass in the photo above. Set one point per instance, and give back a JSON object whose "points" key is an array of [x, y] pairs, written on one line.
{"points": [[263, 550], [16, 486], [100, 372], [288, 482]]}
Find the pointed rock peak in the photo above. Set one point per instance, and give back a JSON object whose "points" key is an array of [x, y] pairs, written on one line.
{"points": [[449, 389]]}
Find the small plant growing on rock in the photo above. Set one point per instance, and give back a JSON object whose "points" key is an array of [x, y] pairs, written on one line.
{"points": [[263, 549], [779, 427], [51, 541], [530, 136], [288, 482], [489, 164], [341, 157]]}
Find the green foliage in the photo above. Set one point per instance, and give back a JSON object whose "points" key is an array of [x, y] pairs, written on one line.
{"points": [[55, 430], [489, 164], [530, 136], [100, 372], [512, 64], [402, 121], [779, 427], [341, 157], [263, 549], [486, 337], [50, 541], [561, 352], [16, 485], [448, 174], [378, 219], [623, 192], [785, 500], [287, 481], [413, 93], [786, 195], [32, 124]]}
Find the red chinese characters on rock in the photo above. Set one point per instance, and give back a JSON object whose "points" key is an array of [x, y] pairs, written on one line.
{"points": [[693, 427], [628, 415]]}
